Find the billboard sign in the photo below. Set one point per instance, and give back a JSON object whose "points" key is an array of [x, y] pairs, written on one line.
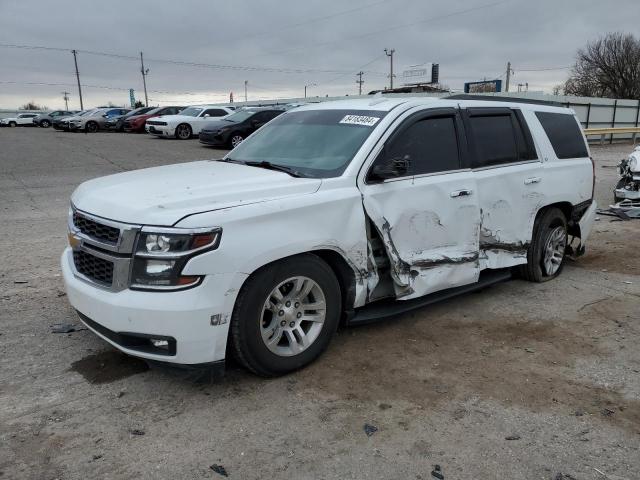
{"points": [[417, 74]]}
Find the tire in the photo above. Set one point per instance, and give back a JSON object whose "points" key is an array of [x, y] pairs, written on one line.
{"points": [[261, 340], [91, 127], [13, 124], [184, 131], [235, 139], [45, 123], [546, 254], [621, 183]]}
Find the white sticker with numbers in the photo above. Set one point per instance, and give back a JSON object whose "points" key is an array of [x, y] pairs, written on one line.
{"points": [[360, 120]]}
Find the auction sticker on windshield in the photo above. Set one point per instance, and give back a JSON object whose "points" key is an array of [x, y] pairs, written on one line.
{"points": [[360, 120]]}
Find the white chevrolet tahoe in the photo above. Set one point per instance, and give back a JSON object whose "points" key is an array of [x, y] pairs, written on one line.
{"points": [[335, 212]]}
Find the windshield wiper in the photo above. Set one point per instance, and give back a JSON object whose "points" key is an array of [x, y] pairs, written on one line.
{"points": [[273, 166]]}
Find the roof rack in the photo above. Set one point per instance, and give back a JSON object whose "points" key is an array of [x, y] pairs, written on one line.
{"points": [[492, 98]]}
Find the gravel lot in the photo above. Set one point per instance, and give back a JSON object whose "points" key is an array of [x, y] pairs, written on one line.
{"points": [[554, 367]]}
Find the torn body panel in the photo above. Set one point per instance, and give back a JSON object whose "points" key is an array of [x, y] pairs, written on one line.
{"points": [[510, 198], [431, 240]]}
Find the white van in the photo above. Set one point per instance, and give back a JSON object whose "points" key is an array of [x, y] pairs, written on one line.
{"points": [[345, 211]]}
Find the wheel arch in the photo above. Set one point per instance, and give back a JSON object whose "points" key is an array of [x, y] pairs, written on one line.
{"points": [[572, 213]]}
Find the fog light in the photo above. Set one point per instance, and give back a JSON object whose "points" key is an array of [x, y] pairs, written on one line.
{"points": [[159, 267], [160, 343]]}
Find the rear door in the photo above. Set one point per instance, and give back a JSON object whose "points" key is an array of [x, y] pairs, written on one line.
{"points": [[427, 217], [510, 180]]}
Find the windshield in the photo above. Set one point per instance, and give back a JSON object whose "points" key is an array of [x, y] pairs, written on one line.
{"points": [[240, 116], [140, 111], [191, 111], [315, 143]]}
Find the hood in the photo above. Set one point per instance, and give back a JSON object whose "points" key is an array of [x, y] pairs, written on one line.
{"points": [[215, 124], [164, 195]]}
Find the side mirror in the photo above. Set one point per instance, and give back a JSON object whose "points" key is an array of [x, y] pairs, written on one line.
{"points": [[394, 168], [105, 116], [206, 115]]}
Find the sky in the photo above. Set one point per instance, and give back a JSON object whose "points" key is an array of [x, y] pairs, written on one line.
{"points": [[199, 51]]}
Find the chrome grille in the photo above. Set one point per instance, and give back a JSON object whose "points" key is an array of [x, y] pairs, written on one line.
{"points": [[97, 269], [96, 230]]}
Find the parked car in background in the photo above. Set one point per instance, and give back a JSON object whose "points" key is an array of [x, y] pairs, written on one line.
{"points": [[45, 120], [136, 123], [231, 130], [20, 120], [117, 123], [346, 211], [188, 123], [61, 123], [94, 120]]}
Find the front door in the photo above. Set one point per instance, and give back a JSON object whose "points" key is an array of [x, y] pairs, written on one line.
{"points": [[428, 216]]}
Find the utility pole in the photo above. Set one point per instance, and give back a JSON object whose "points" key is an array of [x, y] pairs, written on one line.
{"points": [[66, 100], [389, 53], [75, 61], [360, 81], [144, 80], [310, 85], [246, 83], [508, 76]]}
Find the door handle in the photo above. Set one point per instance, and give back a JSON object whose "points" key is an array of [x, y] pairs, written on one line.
{"points": [[531, 180], [461, 193]]}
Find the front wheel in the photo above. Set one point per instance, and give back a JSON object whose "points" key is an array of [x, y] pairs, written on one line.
{"points": [[45, 123], [183, 131], [545, 255], [236, 139], [13, 124], [91, 127], [285, 315]]}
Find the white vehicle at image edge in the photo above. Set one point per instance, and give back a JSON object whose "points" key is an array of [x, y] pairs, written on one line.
{"points": [[343, 211], [21, 120], [187, 123]]}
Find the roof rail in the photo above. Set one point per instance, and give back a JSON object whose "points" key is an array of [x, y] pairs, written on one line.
{"points": [[495, 98]]}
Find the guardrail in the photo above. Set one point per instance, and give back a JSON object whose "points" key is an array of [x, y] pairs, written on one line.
{"points": [[603, 132]]}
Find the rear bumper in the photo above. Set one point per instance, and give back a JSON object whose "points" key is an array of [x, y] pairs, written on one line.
{"points": [[586, 222]]}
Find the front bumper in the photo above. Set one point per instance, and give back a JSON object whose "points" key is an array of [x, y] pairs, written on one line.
{"points": [[213, 139], [161, 130], [194, 321], [630, 194]]}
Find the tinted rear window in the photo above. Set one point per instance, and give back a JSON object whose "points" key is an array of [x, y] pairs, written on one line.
{"points": [[564, 134], [495, 139]]}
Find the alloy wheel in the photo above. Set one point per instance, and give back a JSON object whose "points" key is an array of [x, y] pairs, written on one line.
{"points": [[554, 250]]}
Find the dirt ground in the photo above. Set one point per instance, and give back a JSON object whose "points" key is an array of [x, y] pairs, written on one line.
{"points": [[518, 381]]}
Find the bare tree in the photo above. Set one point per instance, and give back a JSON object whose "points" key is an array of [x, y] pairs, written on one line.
{"points": [[32, 106], [608, 67]]}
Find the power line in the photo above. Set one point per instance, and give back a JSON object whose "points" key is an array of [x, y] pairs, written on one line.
{"points": [[103, 87], [184, 63]]}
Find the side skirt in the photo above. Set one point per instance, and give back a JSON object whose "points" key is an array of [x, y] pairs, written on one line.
{"points": [[383, 309]]}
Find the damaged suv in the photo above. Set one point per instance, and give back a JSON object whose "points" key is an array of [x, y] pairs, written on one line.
{"points": [[343, 211]]}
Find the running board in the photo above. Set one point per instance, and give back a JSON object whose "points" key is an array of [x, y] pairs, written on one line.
{"points": [[387, 308]]}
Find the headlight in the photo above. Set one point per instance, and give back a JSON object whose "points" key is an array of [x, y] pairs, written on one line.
{"points": [[162, 253], [633, 163]]}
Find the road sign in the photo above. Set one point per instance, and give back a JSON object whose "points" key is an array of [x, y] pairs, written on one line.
{"points": [[132, 98]]}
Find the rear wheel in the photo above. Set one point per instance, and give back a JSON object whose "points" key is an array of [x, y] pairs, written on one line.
{"points": [[45, 123], [286, 315], [91, 127], [545, 256], [183, 131]]}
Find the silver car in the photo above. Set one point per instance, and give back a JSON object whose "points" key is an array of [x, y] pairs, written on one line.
{"points": [[94, 120], [45, 119]]}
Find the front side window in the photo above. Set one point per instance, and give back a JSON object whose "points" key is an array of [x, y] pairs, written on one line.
{"points": [[215, 112], [315, 143], [427, 146]]}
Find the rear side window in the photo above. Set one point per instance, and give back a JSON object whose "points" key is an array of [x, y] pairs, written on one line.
{"points": [[564, 134], [494, 138], [430, 145]]}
